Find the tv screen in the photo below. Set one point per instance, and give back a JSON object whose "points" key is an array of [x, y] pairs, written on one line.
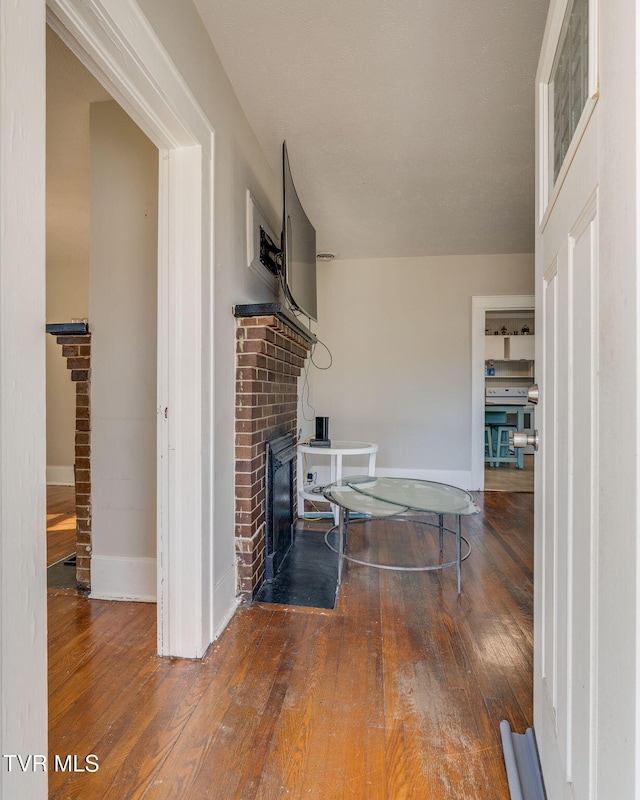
{"points": [[299, 249]]}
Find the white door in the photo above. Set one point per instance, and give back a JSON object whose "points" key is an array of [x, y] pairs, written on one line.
{"points": [[567, 370]]}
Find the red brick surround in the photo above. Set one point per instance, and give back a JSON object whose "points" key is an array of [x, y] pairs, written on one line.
{"points": [[270, 357], [77, 350]]}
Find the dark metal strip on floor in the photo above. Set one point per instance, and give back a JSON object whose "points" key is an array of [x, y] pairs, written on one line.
{"points": [[523, 764]]}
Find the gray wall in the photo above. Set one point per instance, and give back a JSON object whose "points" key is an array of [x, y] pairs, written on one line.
{"points": [[400, 334]]}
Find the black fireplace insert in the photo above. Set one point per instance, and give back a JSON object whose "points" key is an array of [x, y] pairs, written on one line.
{"points": [[280, 529]]}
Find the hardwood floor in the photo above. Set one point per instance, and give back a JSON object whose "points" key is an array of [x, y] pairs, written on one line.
{"points": [[398, 693], [508, 478], [61, 523]]}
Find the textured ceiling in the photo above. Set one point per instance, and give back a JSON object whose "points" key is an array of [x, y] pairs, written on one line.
{"points": [[409, 123]]}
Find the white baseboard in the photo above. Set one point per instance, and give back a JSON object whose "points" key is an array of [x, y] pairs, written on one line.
{"points": [[463, 479], [460, 478], [60, 476], [225, 601], [121, 578]]}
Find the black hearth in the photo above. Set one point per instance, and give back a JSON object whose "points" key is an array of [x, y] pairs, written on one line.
{"points": [[279, 504]]}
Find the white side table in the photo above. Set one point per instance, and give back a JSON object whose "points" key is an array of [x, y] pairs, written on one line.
{"points": [[336, 453]]}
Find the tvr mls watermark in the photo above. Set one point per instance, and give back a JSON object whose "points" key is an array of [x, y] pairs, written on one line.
{"points": [[12, 762]]}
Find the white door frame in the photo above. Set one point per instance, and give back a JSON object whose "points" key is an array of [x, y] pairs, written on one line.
{"points": [[479, 306], [114, 40], [23, 582]]}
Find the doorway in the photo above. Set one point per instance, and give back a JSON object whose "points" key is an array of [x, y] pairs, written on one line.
{"points": [[167, 113], [499, 307], [509, 372], [102, 209]]}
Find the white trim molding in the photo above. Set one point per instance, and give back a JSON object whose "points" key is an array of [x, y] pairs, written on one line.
{"points": [[23, 583], [460, 478], [115, 41]]}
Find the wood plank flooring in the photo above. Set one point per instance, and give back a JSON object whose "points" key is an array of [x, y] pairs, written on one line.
{"points": [[508, 478], [397, 693], [61, 523]]}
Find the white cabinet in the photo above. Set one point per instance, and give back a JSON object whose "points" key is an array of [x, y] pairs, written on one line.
{"points": [[509, 348], [494, 348], [521, 348]]}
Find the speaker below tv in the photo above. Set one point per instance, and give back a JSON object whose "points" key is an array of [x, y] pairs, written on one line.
{"points": [[322, 433]]}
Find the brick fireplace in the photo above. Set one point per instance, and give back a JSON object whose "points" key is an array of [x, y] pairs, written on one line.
{"points": [[271, 349]]}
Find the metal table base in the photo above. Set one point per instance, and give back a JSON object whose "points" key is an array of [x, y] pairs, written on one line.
{"points": [[343, 532]]}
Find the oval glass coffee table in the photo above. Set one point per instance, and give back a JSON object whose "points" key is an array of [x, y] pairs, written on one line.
{"points": [[393, 497]]}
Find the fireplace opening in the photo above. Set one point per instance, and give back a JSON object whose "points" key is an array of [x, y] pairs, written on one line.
{"points": [[280, 529]]}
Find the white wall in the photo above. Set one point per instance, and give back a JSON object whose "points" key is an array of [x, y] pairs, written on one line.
{"points": [[70, 88], [123, 304], [400, 334]]}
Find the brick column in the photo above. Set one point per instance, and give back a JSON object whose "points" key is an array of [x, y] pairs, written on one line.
{"points": [[77, 350], [270, 357]]}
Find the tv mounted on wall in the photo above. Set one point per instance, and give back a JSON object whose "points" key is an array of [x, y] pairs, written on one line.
{"points": [[295, 262]]}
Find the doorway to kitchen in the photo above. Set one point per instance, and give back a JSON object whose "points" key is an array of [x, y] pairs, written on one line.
{"points": [[509, 372], [503, 367]]}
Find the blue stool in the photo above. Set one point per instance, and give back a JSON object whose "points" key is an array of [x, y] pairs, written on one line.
{"points": [[502, 454], [492, 421], [495, 418], [488, 445]]}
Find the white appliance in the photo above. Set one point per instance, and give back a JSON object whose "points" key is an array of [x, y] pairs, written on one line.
{"points": [[506, 396], [513, 396]]}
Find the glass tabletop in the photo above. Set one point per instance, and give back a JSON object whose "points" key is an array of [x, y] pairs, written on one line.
{"points": [[347, 497], [388, 496]]}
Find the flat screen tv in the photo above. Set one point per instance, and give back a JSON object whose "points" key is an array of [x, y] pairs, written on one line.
{"points": [[298, 249]]}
